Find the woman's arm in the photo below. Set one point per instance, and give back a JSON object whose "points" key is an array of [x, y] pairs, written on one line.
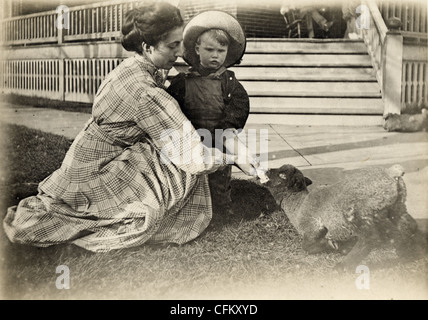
{"points": [[174, 136]]}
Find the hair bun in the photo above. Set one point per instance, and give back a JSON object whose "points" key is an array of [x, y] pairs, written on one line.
{"points": [[150, 24], [131, 36]]}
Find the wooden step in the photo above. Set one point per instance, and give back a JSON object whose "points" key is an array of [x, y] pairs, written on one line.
{"points": [[306, 60], [304, 74], [298, 60], [317, 120], [282, 105], [295, 73], [321, 46], [312, 89]]}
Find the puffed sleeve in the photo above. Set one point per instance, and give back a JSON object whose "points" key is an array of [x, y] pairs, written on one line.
{"points": [[159, 115]]}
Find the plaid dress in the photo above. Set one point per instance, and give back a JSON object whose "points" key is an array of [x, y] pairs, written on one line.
{"points": [[118, 185]]}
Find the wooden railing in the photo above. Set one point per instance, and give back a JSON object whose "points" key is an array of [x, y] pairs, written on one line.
{"points": [[414, 83], [403, 79], [57, 79], [32, 28], [413, 14], [401, 73], [96, 21], [82, 77], [38, 77]]}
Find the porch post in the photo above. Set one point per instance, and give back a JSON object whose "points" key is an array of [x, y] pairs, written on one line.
{"points": [[392, 67]]}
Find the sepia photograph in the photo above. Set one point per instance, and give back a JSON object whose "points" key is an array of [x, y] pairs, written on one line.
{"points": [[202, 152]]}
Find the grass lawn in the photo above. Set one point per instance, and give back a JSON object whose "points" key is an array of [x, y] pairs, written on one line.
{"points": [[255, 254]]}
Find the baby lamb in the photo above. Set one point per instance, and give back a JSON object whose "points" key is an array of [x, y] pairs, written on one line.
{"points": [[361, 212]]}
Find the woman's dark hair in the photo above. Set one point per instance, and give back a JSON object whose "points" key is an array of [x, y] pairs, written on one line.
{"points": [[149, 23]]}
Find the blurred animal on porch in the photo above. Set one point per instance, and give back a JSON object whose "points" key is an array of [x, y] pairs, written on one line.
{"points": [[407, 122]]}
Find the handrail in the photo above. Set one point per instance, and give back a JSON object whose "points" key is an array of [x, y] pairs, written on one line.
{"points": [[377, 19], [385, 48], [86, 22], [30, 15]]}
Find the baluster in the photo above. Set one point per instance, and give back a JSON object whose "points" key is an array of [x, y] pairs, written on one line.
{"points": [[408, 83], [85, 72], [72, 22], [18, 75], [98, 19], [414, 82], [423, 22], [41, 75], [411, 17], [22, 75], [42, 27], [59, 65], [72, 76], [120, 15], [417, 21], [48, 25], [75, 76], [110, 20], [54, 75], [36, 75], [13, 74], [405, 18], [67, 76], [420, 81], [103, 19], [51, 85], [85, 21], [33, 76], [37, 72], [37, 31], [399, 8], [385, 10]]}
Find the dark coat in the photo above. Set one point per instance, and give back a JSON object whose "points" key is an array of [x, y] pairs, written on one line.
{"points": [[236, 101]]}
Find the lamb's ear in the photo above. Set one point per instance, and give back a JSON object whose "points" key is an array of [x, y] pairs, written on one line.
{"points": [[308, 181], [283, 176]]}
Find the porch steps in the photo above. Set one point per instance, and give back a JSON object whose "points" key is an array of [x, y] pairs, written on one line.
{"points": [[310, 81]]}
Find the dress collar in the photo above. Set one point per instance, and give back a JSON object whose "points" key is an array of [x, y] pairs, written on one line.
{"points": [[204, 72], [157, 74]]}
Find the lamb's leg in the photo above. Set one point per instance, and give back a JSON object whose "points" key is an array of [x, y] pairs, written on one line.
{"points": [[408, 240], [361, 250], [315, 242]]}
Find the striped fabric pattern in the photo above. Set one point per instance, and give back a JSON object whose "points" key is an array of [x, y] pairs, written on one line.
{"points": [[114, 188]]}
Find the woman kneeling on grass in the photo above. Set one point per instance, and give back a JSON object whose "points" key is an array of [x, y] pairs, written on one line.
{"points": [[117, 187]]}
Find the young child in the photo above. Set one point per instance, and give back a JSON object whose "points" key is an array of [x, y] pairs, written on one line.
{"points": [[210, 95]]}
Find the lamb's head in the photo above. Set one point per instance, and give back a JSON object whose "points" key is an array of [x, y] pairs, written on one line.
{"points": [[287, 178]]}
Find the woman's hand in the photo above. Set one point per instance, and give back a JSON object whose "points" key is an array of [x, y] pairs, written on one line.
{"points": [[248, 167]]}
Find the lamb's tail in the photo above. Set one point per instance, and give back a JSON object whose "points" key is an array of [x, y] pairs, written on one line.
{"points": [[396, 171]]}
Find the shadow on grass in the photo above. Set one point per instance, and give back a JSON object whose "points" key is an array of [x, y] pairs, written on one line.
{"points": [[250, 200]]}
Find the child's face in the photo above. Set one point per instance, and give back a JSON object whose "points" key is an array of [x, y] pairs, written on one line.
{"points": [[211, 53]]}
